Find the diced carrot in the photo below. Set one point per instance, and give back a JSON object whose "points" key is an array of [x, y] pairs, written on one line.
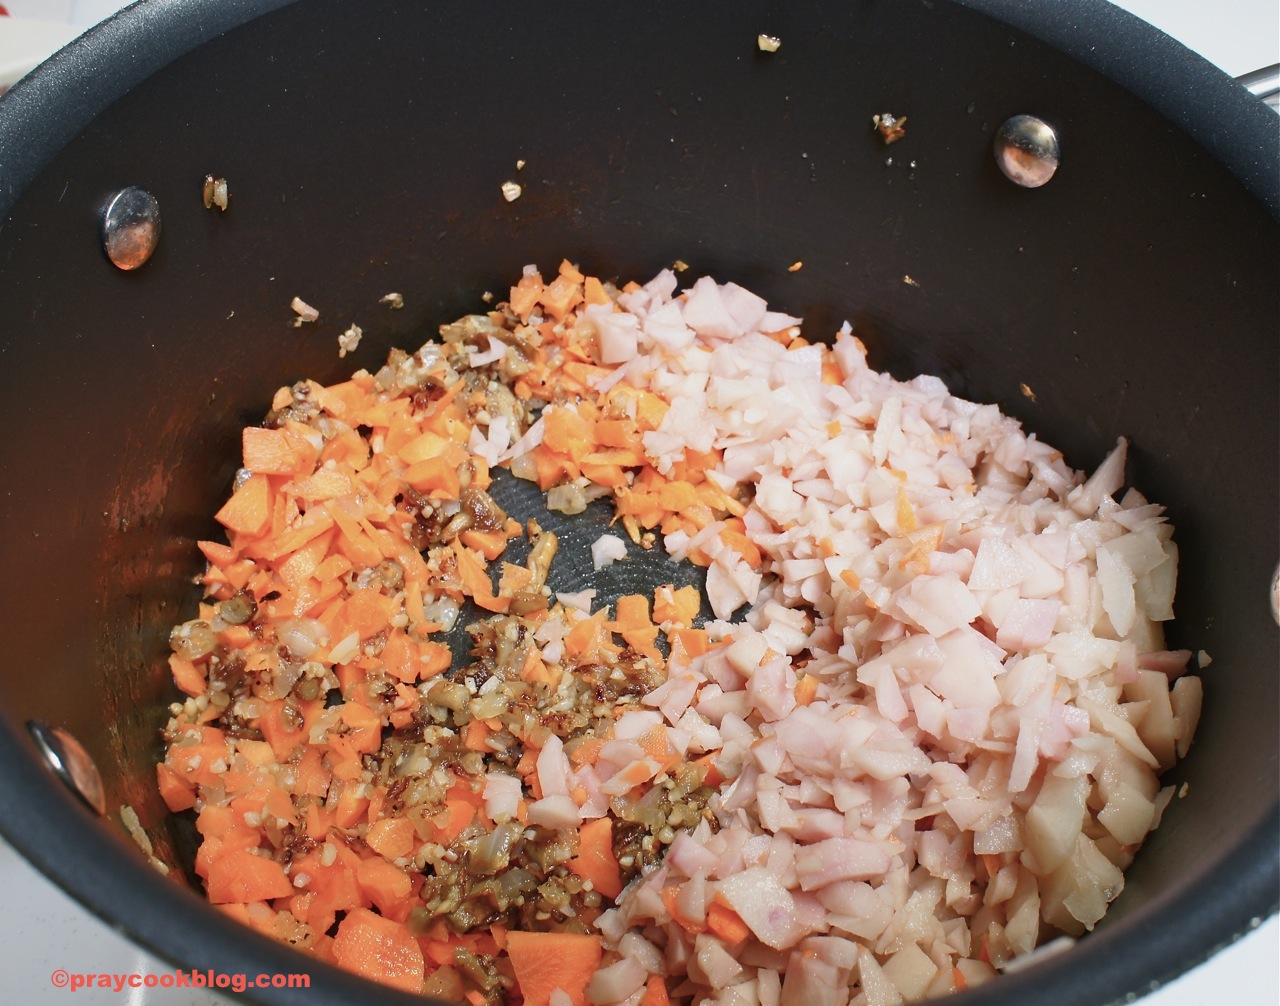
{"points": [[525, 294], [282, 734], [254, 914], [514, 578], [441, 946], [353, 543], [174, 790], [239, 875], [475, 580], [248, 511], [434, 658], [351, 806], [586, 751], [544, 962], [958, 978], [594, 292], [195, 763], [632, 613], [650, 410], [350, 675], [490, 544], [677, 496], [726, 923], [687, 602], [670, 900], [587, 637], [333, 567], [236, 637], [322, 484], [365, 736], [292, 537], [386, 885], [744, 546], [535, 669], [713, 777], [655, 992], [571, 272], [477, 732], [431, 445], [694, 642], [657, 746], [595, 860], [367, 612], [296, 569], [907, 520], [312, 778], [216, 819], [270, 452], [256, 753], [581, 375], [566, 432], [806, 689], [380, 949], [336, 399], [560, 296], [217, 553], [399, 657], [447, 825], [189, 678], [434, 476], [620, 433]]}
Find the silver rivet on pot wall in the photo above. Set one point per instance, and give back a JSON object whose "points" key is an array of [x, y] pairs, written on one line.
{"points": [[71, 763], [131, 227], [1275, 595], [1027, 150]]}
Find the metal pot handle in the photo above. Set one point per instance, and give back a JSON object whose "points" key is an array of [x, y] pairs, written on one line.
{"points": [[1264, 84]]}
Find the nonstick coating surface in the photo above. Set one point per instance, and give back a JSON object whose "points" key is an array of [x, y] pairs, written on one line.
{"points": [[365, 146]]}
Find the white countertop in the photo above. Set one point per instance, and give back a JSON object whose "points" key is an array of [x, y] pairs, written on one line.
{"points": [[54, 932]]}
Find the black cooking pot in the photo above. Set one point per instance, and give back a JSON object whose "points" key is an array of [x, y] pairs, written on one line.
{"points": [[365, 146]]}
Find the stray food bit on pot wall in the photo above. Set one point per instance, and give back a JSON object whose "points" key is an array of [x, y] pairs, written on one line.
{"points": [[304, 311], [891, 128], [932, 736], [216, 193], [349, 340]]}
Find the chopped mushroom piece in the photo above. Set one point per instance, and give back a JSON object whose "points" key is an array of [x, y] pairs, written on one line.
{"points": [[215, 193], [349, 340], [891, 128]]}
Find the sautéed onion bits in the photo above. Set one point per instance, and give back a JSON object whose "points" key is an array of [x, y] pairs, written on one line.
{"points": [[930, 741]]}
